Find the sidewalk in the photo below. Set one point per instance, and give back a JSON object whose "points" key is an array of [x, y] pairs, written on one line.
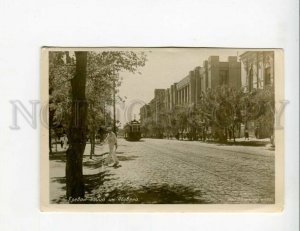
{"points": [[93, 169]]}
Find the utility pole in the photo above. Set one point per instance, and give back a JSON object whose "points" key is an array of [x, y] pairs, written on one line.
{"points": [[114, 106]]}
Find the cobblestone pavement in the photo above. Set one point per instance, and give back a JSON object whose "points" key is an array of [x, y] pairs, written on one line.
{"points": [[171, 171]]}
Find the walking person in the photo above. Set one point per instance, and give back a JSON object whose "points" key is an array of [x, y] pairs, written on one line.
{"points": [[61, 140], [112, 141], [246, 134], [65, 141]]}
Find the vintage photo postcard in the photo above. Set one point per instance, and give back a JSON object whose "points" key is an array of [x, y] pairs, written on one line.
{"points": [[162, 129]]}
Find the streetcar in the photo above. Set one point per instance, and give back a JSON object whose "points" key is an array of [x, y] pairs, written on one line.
{"points": [[132, 131]]}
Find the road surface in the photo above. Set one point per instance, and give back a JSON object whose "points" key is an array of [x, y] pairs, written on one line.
{"points": [[172, 171]]}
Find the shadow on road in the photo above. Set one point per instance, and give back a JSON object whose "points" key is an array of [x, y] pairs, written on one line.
{"points": [[58, 156], [127, 158], [93, 164], [153, 194], [244, 143], [91, 182]]}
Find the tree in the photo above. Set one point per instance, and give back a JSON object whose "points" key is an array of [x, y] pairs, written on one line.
{"points": [[103, 81], [77, 130], [220, 109], [102, 69], [79, 89], [262, 113], [228, 111], [180, 119], [61, 70]]}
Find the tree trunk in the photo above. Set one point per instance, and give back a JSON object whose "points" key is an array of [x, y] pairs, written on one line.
{"points": [[50, 142], [51, 118], [56, 145], [50, 135], [92, 139], [77, 130], [233, 134]]}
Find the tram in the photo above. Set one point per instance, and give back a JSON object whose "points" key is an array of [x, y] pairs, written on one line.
{"points": [[132, 131]]}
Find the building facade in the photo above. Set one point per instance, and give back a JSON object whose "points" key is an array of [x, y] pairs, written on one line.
{"points": [[257, 73], [153, 113], [216, 73], [187, 92], [257, 70]]}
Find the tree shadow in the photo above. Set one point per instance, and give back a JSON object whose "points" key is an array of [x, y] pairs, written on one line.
{"points": [[58, 156], [127, 194], [241, 143], [127, 158], [94, 164], [123, 145], [91, 183], [153, 194]]}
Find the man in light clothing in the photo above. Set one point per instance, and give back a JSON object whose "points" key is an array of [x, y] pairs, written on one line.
{"points": [[112, 141]]}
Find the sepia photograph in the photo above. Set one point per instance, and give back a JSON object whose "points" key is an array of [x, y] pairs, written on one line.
{"points": [[195, 127], [141, 116]]}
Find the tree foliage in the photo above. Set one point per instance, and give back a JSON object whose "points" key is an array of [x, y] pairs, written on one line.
{"points": [[220, 112], [102, 73]]}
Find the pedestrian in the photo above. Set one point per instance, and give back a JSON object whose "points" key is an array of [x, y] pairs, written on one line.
{"points": [[256, 132], [65, 141], [112, 141], [61, 140], [246, 134], [230, 133]]}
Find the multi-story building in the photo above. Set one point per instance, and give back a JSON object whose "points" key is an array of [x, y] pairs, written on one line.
{"points": [[257, 73], [215, 73], [187, 92], [212, 74], [154, 111], [258, 69]]}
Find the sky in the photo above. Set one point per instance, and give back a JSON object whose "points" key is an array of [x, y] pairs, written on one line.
{"points": [[164, 67]]}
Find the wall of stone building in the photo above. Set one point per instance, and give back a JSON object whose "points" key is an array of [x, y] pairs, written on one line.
{"points": [[254, 64], [203, 79], [197, 84], [234, 72], [206, 74], [145, 113], [183, 89], [243, 76], [223, 75], [142, 113], [269, 62], [174, 98], [213, 72], [167, 98], [192, 87]]}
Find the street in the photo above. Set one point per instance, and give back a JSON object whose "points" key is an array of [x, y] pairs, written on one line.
{"points": [[172, 171]]}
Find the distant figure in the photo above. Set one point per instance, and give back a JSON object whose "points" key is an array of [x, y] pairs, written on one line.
{"points": [[112, 141], [61, 140], [256, 132], [246, 134], [65, 141], [230, 134]]}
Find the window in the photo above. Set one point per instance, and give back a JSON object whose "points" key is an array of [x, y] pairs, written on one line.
{"points": [[135, 128], [267, 76], [223, 77], [251, 80]]}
